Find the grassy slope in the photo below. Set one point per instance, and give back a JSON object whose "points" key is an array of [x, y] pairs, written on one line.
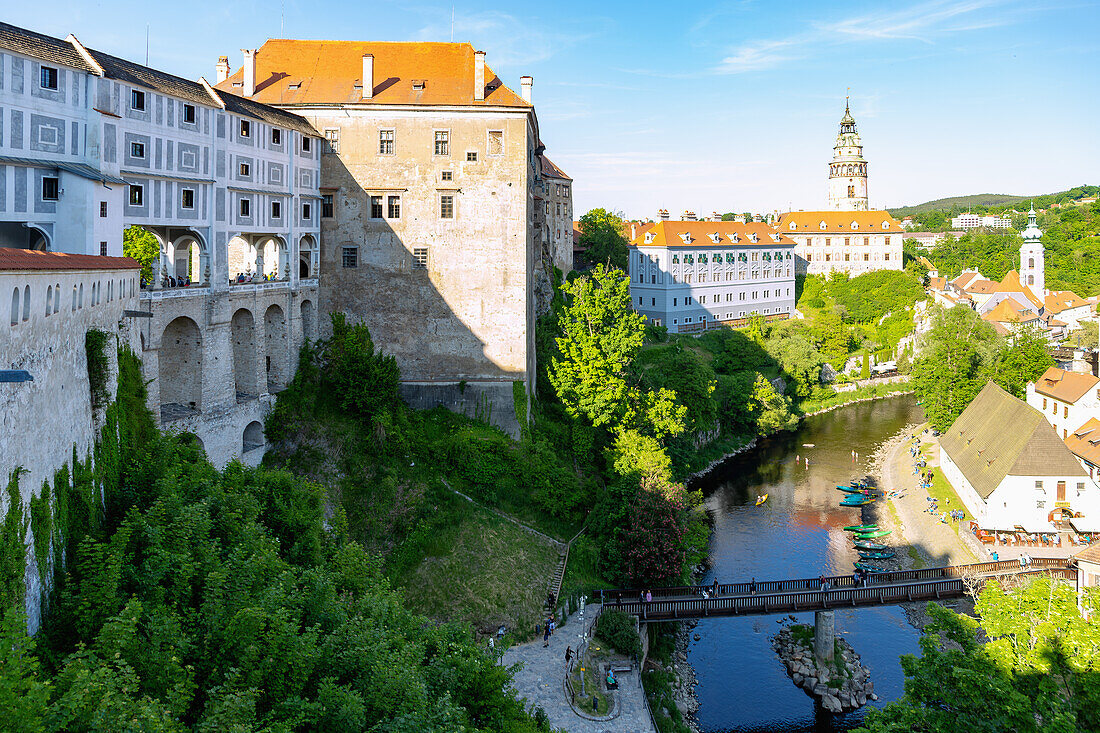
{"points": [[978, 199]]}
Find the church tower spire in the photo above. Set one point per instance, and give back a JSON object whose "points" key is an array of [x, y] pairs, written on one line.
{"points": [[1031, 258], [848, 171]]}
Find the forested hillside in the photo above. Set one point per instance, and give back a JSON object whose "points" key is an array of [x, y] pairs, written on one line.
{"points": [[1071, 236], [930, 213]]}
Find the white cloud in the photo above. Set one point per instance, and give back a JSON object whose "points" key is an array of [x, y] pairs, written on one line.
{"points": [[508, 40], [759, 55]]}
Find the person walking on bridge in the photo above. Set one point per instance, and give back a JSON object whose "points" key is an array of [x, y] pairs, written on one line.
{"points": [[752, 587]]}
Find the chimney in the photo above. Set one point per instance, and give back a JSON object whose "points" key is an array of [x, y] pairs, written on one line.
{"points": [[662, 214], [221, 69], [368, 76], [525, 83], [479, 76], [249, 87], [633, 231]]}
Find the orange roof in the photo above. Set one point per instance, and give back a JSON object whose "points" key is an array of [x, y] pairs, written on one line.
{"points": [[1061, 300], [937, 283], [292, 72], [1010, 283], [29, 259], [1064, 385], [966, 278], [981, 287], [1009, 311], [1085, 441], [669, 234], [838, 221]]}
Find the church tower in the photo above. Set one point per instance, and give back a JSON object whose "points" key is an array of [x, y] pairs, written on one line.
{"points": [[1031, 258], [848, 171]]}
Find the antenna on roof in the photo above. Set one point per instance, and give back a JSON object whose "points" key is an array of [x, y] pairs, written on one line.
{"points": [[146, 44]]}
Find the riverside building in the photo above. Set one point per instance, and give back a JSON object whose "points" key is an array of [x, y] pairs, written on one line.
{"points": [[844, 241], [693, 275]]}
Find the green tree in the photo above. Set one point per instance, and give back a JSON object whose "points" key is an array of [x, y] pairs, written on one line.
{"points": [[773, 410], [365, 381], [865, 370], [1023, 358], [955, 362], [604, 240], [1087, 335], [1036, 673], [142, 246]]}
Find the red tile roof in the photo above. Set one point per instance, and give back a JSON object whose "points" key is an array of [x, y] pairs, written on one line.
{"points": [[292, 72], [868, 222], [28, 259], [1065, 385]]}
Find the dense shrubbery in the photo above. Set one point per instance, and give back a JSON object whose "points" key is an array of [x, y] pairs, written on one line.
{"points": [[617, 630], [206, 600]]}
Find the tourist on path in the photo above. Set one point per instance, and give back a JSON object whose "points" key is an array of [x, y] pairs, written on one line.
{"points": [[752, 587], [546, 636]]}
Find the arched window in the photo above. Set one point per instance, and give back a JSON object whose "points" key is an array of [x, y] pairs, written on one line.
{"points": [[49, 298], [851, 192], [80, 300], [56, 297], [1031, 262], [26, 303], [74, 298], [15, 306]]}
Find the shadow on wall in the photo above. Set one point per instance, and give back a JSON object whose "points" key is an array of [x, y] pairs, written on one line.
{"points": [[372, 275]]}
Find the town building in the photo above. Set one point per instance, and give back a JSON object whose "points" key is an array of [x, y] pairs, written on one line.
{"points": [[689, 276], [977, 221], [853, 241], [558, 205], [1067, 399], [434, 213], [1009, 316], [1011, 470], [928, 240], [848, 169]]}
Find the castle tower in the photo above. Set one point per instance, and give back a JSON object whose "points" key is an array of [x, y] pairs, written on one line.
{"points": [[848, 171], [1031, 258]]}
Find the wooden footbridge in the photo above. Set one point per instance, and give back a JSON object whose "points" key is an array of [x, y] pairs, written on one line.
{"points": [[811, 594]]}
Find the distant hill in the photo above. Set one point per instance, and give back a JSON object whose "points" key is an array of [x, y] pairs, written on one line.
{"points": [[991, 200]]}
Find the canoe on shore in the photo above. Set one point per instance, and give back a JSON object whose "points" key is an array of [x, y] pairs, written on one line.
{"points": [[861, 528], [855, 501], [872, 535], [873, 546], [872, 568], [876, 555]]}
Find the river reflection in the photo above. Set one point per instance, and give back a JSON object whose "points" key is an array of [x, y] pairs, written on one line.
{"points": [[797, 533]]}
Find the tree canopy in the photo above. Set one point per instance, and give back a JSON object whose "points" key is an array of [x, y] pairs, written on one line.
{"points": [[142, 246], [602, 236]]}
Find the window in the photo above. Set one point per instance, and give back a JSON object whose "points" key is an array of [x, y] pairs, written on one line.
{"points": [[420, 258], [376, 207], [49, 188], [350, 257], [448, 175], [102, 249], [137, 195], [276, 136], [245, 207], [442, 142], [447, 206], [326, 205], [1065, 411], [276, 209], [387, 142], [1044, 403], [189, 114], [471, 156], [102, 209], [1040, 505], [137, 100], [1039, 485], [137, 150], [245, 170], [187, 198], [246, 128], [332, 140], [496, 142], [307, 212], [49, 78], [394, 205], [639, 300], [1080, 486], [306, 142], [887, 256], [866, 257]]}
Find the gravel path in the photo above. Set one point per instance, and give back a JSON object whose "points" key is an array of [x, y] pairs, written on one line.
{"points": [[541, 683]]}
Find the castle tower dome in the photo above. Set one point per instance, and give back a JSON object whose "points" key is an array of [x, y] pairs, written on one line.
{"points": [[848, 169], [1032, 269]]}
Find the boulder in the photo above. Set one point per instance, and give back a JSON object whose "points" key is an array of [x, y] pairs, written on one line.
{"points": [[797, 679], [820, 690], [830, 703]]}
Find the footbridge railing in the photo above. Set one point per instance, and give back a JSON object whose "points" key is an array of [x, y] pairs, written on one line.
{"points": [[811, 594]]}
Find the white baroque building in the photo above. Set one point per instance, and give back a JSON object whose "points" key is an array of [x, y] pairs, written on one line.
{"points": [[693, 275], [854, 241], [848, 169]]}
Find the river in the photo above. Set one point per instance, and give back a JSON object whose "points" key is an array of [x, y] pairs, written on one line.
{"points": [[797, 533]]}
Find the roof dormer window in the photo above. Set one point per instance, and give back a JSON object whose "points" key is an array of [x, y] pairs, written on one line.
{"points": [[885, 225], [686, 236], [714, 237], [855, 225], [793, 226], [648, 237], [734, 238], [821, 226], [418, 85], [753, 238], [775, 237]]}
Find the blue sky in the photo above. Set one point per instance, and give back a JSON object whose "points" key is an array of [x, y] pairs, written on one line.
{"points": [[720, 105]]}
